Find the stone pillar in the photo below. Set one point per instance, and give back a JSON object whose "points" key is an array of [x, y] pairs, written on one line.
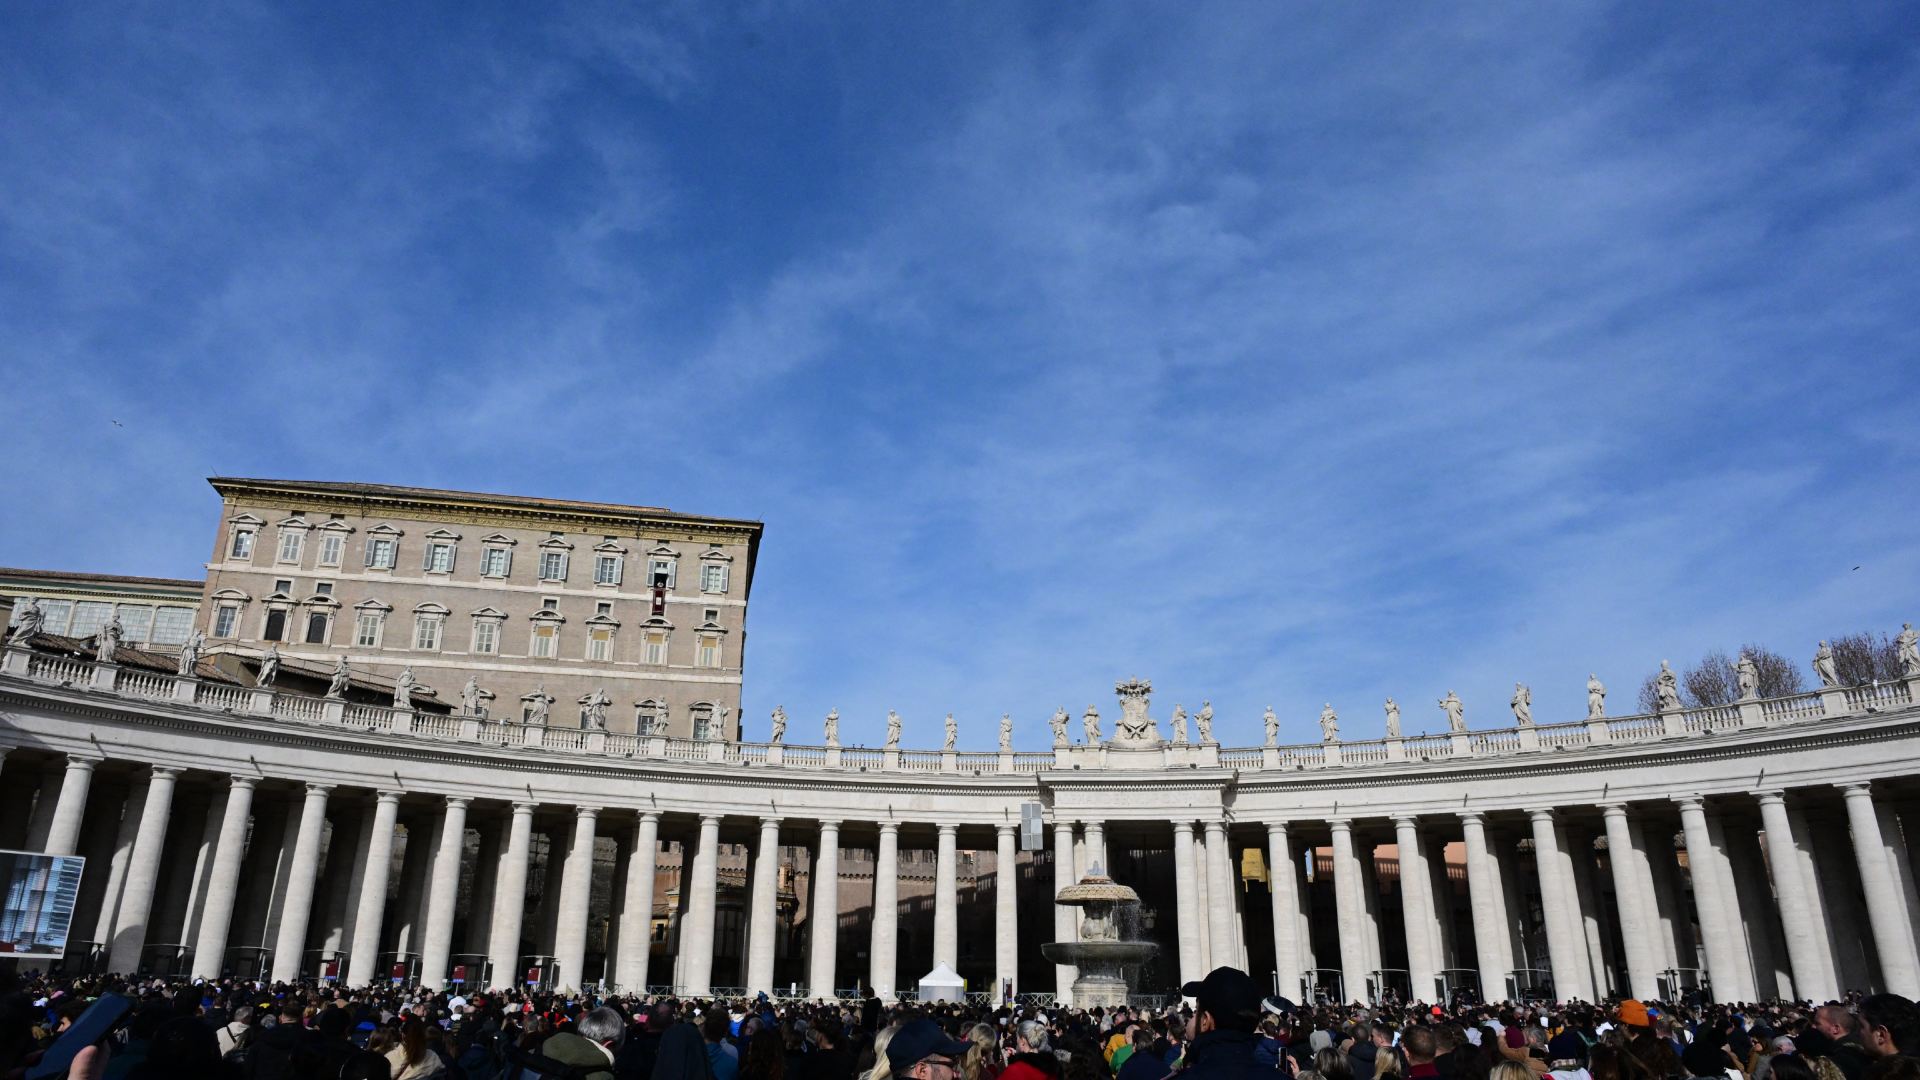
{"points": [[1638, 931], [883, 958], [1186, 891], [1416, 909], [1063, 928], [370, 910], [576, 884], [1734, 915], [143, 872], [1898, 969], [1283, 880], [1203, 882], [824, 914], [63, 833], [216, 917], [762, 910], [443, 894], [636, 909], [946, 899], [1713, 898], [1819, 919], [291, 942], [1006, 911], [1348, 906], [1564, 949], [1900, 864], [1096, 834], [510, 897], [693, 967], [1220, 890], [1487, 931]]}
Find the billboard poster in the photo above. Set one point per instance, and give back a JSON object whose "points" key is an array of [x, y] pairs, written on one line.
{"points": [[36, 908]]}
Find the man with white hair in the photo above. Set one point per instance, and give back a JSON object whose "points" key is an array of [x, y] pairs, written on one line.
{"points": [[591, 1043]]}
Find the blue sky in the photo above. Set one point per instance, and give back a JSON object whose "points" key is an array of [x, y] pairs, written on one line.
{"points": [[1282, 354]]}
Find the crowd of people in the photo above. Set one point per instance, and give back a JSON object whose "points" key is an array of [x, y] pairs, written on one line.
{"points": [[1223, 1029]]}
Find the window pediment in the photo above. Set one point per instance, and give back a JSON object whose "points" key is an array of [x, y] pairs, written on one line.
{"points": [[547, 615], [384, 529], [499, 538], [711, 628], [657, 622], [372, 605], [321, 600], [607, 621], [277, 598], [555, 543], [431, 609], [231, 594], [246, 519], [334, 526], [442, 534], [715, 555], [662, 552], [609, 547], [489, 613], [293, 523]]}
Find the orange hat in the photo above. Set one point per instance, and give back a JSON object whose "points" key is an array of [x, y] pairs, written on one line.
{"points": [[1634, 1013]]}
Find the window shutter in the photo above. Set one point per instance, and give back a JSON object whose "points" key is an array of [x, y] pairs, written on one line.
{"points": [[426, 557], [563, 566], [619, 566], [370, 544], [453, 552]]}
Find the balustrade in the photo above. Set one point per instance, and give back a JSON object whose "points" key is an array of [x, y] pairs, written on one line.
{"points": [[222, 696], [292, 707], [146, 684], [59, 669]]}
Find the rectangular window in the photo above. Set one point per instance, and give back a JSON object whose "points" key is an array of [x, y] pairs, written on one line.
{"points": [[606, 570], [58, 612], [283, 585], [703, 724], [317, 623], [366, 630], [242, 544], [544, 638], [290, 541], [600, 645], [710, 615], [225, 618], [495, 561], [323, 588], [656, 652], [171, 625], [647, 719], [137, 621], [604, 607], [426, 632], [660, 573], [88, 617], [713, 578], [486, 636], [276, 628], [709, 652], [549, 603], [553, 566], [380, 551], [331, 546], [440, 558]]}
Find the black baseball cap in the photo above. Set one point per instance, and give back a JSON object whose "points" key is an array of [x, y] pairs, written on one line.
{"points": [[918, 1040], [1229, 994]]}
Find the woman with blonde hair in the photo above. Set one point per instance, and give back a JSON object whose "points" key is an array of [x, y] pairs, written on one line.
{"points": [[882, 1069], [983, 1061]]}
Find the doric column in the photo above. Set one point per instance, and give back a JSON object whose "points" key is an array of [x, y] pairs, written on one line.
{"points": [[443, 893], [1638, 928], [824, 914], [576, 885], [63, 834], [763, 908], [1884, 903], [693, 968], [1063, 928], [1565, 949], [143, 871], [884, 955], [1186, 891], [1713, 898], [1734, 913], [1284, 881], [1488, 933], [1096, 839], [509, 898], [370, 910], [1006, 911], [946, 899], [1347, 905], [1220, 892], [216, 918], [291, 942], [1416, 909], [636, 910]]}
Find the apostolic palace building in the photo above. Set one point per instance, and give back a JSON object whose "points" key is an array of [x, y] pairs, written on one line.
{"points": [[435, 735]]}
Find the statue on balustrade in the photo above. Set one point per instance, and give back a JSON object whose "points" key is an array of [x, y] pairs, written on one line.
{"points": [[1456, 712], [1134, 725], [28, 621], [720, 728], [596, 710], [893, 730], [538, 704], [1090, 725], [473, 700], [1272, 723], [1006, 733], [342, 676], [1823, 666], [1596, 696], [190, 652], [1666, 688], [1329, 724], [1907, 648], [833, 727], [403, 688], [269, 667], [779, 732], [1522, 705], [1203, 720], [106, 643], [953, 734], [1393, 719], [1059, 723], [1748, 674], [1179, 725]]}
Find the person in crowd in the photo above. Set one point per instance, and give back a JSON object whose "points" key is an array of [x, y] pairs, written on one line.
{"points": [[921, 1051], [592, 1044], [982, 1059], [1033, 1057], [411, 1057], [1421, 1045], [1140, 1062], [682, 1055], [766, 1056], [827, 1056], [1889, 1025], [721, 1056], [1226, 1008]]}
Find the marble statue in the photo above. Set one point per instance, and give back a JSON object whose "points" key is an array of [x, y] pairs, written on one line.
{"points": [[833, 727], [342, 675], [1823, 666], [470, 697], [719, 728], [893, 730], [1522, 703], [1329, 724], [1179, 725], [1058, 721], [539, 703], [190, 652], [596, 705], [1456, 712], [1134, 725], [403, 688], [779, 732], [1667, 688], [1006, 733], [106, 643], [1748, 674], [1090, 724], [1596, 697], [28, 621], [1203, 720], [1272, 723], [1393, 719], [1907, 648], [953, 734], [269, 667]]}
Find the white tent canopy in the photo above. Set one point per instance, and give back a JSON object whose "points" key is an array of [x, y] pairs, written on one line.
{"points": [[941, 984]]}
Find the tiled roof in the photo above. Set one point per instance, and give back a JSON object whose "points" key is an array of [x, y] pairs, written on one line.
{"points": [[101, 579], [395, 491], [128, 656]]}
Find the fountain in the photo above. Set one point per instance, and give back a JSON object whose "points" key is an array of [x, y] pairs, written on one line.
{"points": [[1100, 955]]}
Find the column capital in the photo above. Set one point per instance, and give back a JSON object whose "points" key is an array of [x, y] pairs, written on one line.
{"points": [[1544, 813], [1277, 828], [1613, 808], [1690, 802], [317, 788], [710, 819], [653, 816], [947, 828], [892, 827], [381, 796], [1411, 821], [1771, 796], [241, 780], [765, 822], [526, 808], [166, 772], [579, 811], [1473, 817], [1340, 824], [1860, 788], [458, 802], [1006, 829], [81, 763], [1180, 827], [1067, 827], [829, 825]]}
